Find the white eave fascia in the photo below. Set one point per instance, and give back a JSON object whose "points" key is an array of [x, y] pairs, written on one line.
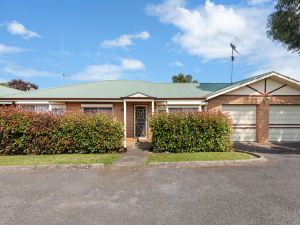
{"points": [[27, 102], [253, 81], [288, 79], [6, 103], [184, 102], [87, 100]]}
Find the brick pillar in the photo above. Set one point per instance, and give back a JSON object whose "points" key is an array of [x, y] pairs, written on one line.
{"points": [[262, 122]]}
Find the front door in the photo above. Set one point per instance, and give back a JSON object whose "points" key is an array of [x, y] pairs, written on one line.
{"points": [[140, 126]]}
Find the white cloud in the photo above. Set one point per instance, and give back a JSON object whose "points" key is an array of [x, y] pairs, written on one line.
{"points": [[132, 64], [125, 40], [16, 28], [5, 49], [108, 71], [176, 63], [206, 31], [257, 2], [19, 71], [98, 72]]}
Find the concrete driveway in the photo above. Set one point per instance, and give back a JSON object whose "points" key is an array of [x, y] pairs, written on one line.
{"points": [[256, 194]]}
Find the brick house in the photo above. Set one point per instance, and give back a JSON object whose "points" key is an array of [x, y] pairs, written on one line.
{"points": [[6, 91], [263, 108]]}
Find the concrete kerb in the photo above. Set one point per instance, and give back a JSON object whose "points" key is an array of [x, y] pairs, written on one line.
{"points": [[192, 164], [62, 166], [259, 159]]}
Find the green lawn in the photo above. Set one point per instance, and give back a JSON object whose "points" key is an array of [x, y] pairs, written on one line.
{"points": [[197, 156], [58, 159]]}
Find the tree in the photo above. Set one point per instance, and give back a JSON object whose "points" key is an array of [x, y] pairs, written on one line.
{"points": [[181, 78], [284, 24], [22, 85]]}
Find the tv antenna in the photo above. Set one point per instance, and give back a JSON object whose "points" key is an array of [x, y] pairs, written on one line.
{"points": [[62, 55], [233, 50]]}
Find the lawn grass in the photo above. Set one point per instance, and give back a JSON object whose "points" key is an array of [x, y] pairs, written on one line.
{"points": [[197, 156], [58, 159]]}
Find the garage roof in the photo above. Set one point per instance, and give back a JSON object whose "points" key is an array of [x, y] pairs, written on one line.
{"points": [[250, 80]]}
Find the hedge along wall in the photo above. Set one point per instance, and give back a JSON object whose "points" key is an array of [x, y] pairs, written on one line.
{"points": [[191, 132], [24, 132]]}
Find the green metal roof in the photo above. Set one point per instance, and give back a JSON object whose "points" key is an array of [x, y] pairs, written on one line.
{"points": [[123, 88], [116, 89], [5, 91]]}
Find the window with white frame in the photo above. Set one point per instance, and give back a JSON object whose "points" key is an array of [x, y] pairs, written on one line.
{"points": [[35, 108], [58, 109], [173, 109], [98, 108], [161, 108]]}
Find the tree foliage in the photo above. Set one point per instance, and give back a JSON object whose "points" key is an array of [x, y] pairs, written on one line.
{"points": [[284, 24], [181, 78], [22, 85]]}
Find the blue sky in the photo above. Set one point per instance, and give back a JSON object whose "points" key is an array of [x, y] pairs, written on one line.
{"points": [[137, 39]]}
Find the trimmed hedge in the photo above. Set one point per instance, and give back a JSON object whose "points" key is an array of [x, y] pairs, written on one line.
{"points": [[23, 133], [191, 132]]}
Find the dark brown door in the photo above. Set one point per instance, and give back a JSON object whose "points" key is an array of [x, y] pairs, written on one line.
{"points": [[140, 121]]}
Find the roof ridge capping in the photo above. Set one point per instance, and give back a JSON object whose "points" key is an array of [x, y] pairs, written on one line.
{"points": [[249, 80]]}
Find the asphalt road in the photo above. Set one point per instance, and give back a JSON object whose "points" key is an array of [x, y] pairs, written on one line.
{"points": [[256, 194]]}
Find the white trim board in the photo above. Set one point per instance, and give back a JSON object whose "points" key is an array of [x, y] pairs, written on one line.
{"points": [[255, 80]]}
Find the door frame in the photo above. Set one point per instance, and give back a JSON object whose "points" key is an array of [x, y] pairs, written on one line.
{"points": [[146, 124]]}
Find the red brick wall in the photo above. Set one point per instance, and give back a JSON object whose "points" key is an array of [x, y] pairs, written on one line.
{"points": [[262, 109], [73, 107], [118, 113]]}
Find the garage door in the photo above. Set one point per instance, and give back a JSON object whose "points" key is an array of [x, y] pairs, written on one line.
{"points": [[243, 121], [284, 123]]}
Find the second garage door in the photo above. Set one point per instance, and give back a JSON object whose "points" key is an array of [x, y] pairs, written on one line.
{"points": [[284, 123], [243, 121]]}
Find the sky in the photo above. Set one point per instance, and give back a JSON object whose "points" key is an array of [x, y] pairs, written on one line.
{"points": [[137, 39]]}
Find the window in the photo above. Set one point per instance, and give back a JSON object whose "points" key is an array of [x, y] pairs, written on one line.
{"points": [[161, 108], [42, 108], [27, 107], [173, 109], [58, 109], [98, 108], [35, 108]]}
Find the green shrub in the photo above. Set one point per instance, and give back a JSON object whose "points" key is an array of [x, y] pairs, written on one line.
{"points": [[24, 132], [81, 133], [191, 132]]}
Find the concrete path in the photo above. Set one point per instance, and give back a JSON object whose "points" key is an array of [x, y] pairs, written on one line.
{"points": [[134, 158]]}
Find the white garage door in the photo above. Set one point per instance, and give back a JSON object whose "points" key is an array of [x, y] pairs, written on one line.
{"points": [[284, 123], [243, 121]]}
